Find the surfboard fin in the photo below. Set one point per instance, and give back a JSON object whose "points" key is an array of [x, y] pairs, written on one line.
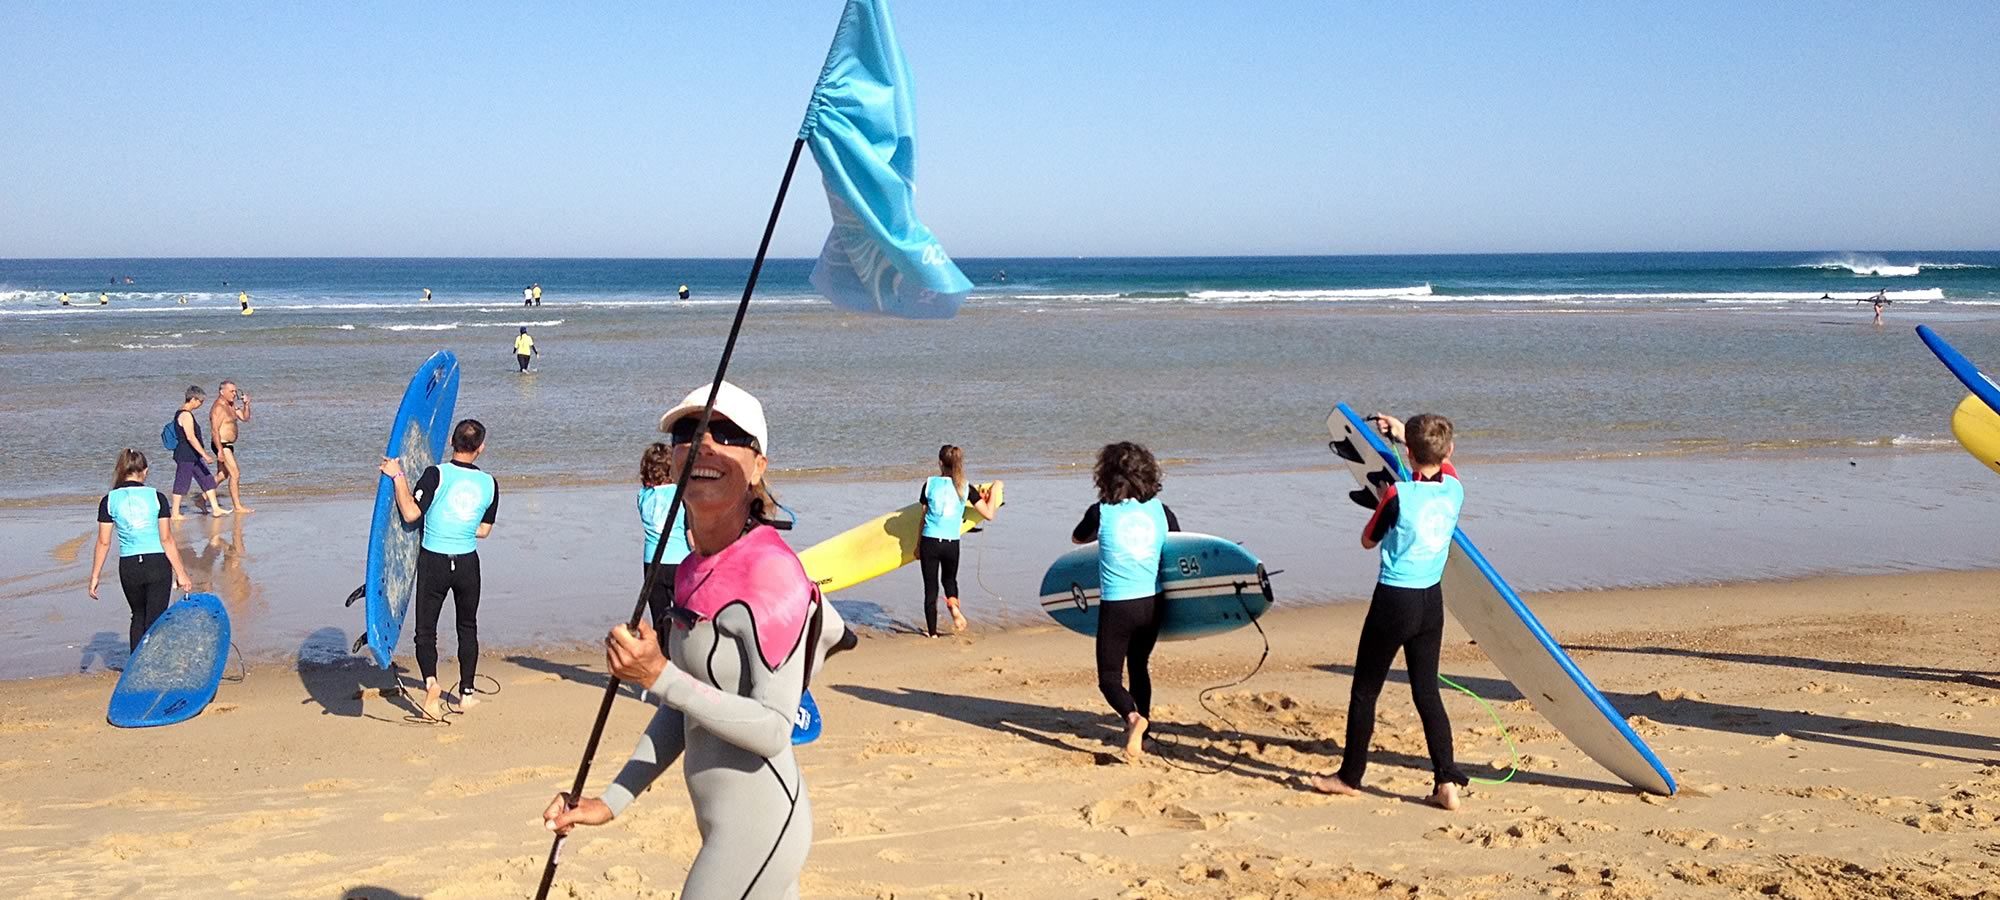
{"points": [[360, 641], [359, 593], [1344, 449], [1363, 498]]}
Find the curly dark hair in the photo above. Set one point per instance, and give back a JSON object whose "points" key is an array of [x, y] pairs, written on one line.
{"points": [[656, 465], [1126, 471]]}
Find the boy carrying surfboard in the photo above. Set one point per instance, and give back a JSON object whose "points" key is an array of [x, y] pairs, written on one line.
{"points": [[1412, 524]]}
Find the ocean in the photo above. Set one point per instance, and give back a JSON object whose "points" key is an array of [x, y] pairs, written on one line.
{"points": [[1623, 419]]}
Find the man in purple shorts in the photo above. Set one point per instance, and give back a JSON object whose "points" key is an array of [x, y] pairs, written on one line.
{"points": [[191, 457]]}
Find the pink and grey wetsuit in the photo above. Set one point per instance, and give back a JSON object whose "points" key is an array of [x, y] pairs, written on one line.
{"points": [[727, 701]]}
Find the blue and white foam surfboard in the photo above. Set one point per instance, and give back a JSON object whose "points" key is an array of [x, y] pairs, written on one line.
{"points": [[1508, 631], [417, 440], [1210, 586], [806, 722], [176, 668], [1979, 383]]}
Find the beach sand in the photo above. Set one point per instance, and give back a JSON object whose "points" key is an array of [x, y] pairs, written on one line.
{"points": [[1833, 738]]}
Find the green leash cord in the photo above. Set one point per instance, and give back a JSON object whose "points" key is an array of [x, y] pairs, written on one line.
{"points": [[1516, 767]]}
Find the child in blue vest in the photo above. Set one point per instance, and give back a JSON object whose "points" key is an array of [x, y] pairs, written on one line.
{"points": [[1413, 524], [944, 497], [457, 503], [656, 494], [149, 563], [1130, 525]]}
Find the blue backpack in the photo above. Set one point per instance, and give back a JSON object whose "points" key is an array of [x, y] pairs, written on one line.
{"points": [[170, 436]]}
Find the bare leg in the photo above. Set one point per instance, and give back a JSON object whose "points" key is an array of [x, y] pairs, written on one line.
{"points": [[177, 507], [214, 508], [235, 478]]}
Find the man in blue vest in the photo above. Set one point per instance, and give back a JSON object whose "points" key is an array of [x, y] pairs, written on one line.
{"points": [[457, 503]]}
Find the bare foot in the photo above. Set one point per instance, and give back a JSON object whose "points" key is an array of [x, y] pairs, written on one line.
{"points": [[957, 618], [1445, 797], [434, 702], [218, 511], [1331, 784], [467, 700], [178, 517], [1135, 735], [245, 509]]}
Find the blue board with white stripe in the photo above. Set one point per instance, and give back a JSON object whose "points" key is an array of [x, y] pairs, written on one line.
{"points": [[176, 668], [1211, 585], [417, 440]]}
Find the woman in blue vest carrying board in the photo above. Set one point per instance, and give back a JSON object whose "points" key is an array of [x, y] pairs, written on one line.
{"points": [[656, 494], [1130, 525], [149, 564], [944, 497], [457, 502]]}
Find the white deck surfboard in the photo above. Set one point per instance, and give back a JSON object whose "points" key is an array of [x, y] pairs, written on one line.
{"points": [[1508, 631]]}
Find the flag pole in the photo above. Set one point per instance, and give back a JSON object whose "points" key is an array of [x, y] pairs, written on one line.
{"points": [[673, 509]]}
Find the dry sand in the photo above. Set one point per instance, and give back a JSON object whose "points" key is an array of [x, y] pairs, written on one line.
{"points": [[1833, 739]]}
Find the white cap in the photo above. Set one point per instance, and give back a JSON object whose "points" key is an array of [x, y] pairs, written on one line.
{"points": [[732, 403]]}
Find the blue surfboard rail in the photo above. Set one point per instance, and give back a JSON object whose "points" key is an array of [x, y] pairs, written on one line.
{"points": [[1976, 381], [174, 672], [806, 724], [417, 438], [1521, 610], [1211, 585]]}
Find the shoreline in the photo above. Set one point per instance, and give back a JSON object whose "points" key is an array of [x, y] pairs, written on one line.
{"points": [[1829, 736]]}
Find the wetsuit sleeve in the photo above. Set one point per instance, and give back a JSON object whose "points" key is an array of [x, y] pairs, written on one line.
{"points": [[166, 509], [1385, 515], [664, 739], [104, 509], [759, 723], [1173, 524], [493, 509], [972, 494], [425, 488], [1086, 530]]}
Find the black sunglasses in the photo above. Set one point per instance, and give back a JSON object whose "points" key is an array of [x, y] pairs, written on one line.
{"points": [[725, 432]]}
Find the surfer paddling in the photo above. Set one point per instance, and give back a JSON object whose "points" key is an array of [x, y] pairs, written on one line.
{"points": [[149, 562], [1130, 525], [1412, 524], [457, 504], [743, 609], [937, 547]]}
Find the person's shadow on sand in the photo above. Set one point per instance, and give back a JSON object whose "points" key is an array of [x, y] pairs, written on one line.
{"points": [[107, 648], [869, 614], [1184, 745], [375, 892], [338, 681], [572, 672], [1750, 720]]}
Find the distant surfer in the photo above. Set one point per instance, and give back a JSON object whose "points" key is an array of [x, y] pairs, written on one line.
{"points": [[656, 493], [525, 349], [538, 293], [1413, 523], [103, 299], [182, 299], [1881, 299], [64, 299], [684, 292], [427, 295], [528, 295], [191, 456], [1130, 525], [243, 302], [149, 561], [457, 504], [231, 407], [743, 610], [1002, 276], [943, 497]]}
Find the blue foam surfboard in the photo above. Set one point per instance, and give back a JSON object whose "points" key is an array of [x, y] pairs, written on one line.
{"points": [[416, 439], [1211, 585], [1979, 383], [1508, 631], [806, 723], [176, 668]]}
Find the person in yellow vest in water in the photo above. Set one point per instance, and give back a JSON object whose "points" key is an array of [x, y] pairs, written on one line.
{"points": [[684, 292], [64, 299], [524, 348], [427, 295], [103, 299], [538, 293], [183, 300], [243, 300]]}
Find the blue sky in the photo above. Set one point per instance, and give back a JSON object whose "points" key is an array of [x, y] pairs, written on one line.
{"points": [[1047, 128]]}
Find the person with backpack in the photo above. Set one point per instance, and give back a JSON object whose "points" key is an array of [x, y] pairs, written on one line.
{"points": [[191, 456]]}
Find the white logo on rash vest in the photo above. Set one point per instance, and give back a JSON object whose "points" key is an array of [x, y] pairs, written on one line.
{"points": [[1434, 526], [1136, 534], [463, 500]]}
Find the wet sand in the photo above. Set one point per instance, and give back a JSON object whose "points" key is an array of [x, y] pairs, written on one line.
{"points": [[1834, 738]]}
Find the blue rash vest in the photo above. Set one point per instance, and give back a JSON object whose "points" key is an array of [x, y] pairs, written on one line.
{"points": [[944, 509], [1415, 549], [653, 503], [1130, 536], [134, 511], [462, 499]]}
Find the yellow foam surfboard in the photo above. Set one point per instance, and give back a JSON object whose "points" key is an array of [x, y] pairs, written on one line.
{"points": [[1977, 428], [878, 546]]}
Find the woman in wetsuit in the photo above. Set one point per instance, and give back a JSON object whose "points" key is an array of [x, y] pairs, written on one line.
{"points": [[1130, 525], [741, 646], [149, 563]]}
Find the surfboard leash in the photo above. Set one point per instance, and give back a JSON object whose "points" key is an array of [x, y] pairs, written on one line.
{"points": [[1504, 733], [1236, 756]]}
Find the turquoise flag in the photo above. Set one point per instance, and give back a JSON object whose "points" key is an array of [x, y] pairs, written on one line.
{"points": [[862, 126]]}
